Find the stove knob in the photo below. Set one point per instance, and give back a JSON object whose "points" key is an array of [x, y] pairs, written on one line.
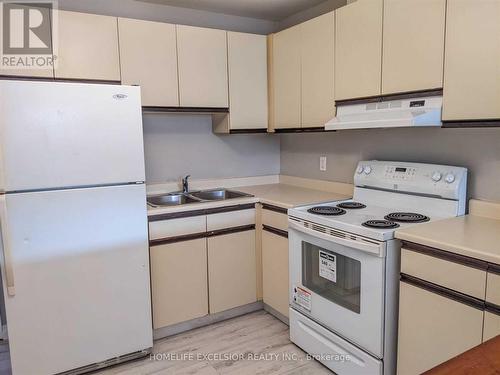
{"points": [[360, 169], [450, 178], [368, 169], [436, 176]]}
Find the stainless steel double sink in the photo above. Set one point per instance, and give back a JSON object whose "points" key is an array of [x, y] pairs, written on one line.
{"points": [[179, 198]]}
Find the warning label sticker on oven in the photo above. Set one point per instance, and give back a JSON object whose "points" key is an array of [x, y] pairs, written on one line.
{"points": [[328, 266], [302, 297]]}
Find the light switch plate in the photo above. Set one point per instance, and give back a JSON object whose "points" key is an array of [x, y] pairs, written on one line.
{"points": [[322, 163]]}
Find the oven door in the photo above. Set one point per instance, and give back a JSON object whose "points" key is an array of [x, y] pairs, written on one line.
{"points": [[338, 285]]}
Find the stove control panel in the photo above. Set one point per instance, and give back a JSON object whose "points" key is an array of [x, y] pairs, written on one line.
{"points": [[421, 179]]}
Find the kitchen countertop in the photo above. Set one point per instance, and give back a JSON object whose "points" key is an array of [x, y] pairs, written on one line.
{"points": [[470, 235], [277, 194]]}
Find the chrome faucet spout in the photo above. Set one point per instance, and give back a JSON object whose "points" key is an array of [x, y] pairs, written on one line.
{"points": [[185, 184]]}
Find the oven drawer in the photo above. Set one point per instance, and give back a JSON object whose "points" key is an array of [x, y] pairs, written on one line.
{"points": [[330, 349], [445, 272]]}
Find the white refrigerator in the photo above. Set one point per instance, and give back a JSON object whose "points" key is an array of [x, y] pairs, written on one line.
{"points": [[74, 235]]}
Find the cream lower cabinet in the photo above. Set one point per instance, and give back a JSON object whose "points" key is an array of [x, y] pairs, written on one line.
{"points": [[87, 47], [492, 314], [148, 58], [202, 59], [472, 55], [433, 329], [275, 271], [231, 270], [179, 282], [358, 49]]}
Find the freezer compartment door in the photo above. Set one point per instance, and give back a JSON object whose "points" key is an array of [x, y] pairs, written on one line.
{"points": [[61, 134], [80, 267]]}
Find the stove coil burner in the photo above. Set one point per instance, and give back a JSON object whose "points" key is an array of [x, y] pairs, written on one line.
{"points": [[407, 217], [326, 210], [380, 224], [351, 205]]}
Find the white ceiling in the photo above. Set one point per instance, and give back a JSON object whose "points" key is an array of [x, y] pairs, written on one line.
{"points": [[273, 10]]}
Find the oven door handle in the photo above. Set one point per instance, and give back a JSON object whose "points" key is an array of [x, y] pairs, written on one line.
{"points": [[364, 245]]}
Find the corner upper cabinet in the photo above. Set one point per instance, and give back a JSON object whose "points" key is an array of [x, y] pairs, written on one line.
{"points": [[358, 49], [148, 58], [286, 82], [87, 47], [413, 45], [247, 66], [472, 55], [317, 70], [202, 59]]}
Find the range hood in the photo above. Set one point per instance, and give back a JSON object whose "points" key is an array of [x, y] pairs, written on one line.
{"points": [[425, 111]]}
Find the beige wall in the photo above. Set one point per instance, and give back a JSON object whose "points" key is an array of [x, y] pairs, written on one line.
{"points": [[177, 145], [476, 149]]}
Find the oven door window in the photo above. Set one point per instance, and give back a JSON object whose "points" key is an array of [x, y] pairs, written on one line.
{"points": [[332, 276]]}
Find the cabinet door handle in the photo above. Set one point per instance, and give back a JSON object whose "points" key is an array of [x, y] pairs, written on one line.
{"points": [[9, 268]]}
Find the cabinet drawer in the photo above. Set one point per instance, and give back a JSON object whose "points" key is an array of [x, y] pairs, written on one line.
{"points": [[230, 219], [491, 325], [177, 227], [275, 219], [433, 329], [493, 289], [458, 277]]}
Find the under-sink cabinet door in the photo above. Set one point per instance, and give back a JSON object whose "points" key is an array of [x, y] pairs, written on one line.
{"points": [[491, 325], [231, 270], [179, 282], [148, 58], [434, 328], [275, 271]]}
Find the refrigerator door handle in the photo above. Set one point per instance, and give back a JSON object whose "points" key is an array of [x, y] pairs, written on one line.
{"points": [[9, 269]]}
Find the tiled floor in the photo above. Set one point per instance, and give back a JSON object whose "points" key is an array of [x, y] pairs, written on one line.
{"points": [[256, 343]]}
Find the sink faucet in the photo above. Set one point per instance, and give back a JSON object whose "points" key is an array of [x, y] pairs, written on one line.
{"points": [[185, 184]]}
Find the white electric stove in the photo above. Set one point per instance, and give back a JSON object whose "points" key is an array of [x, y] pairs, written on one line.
{"points": [[344, 261]]}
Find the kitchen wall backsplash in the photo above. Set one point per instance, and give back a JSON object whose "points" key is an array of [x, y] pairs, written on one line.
{"points": [[176, 145], [476, 149]]}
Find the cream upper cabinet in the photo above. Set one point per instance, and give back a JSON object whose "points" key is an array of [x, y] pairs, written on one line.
{"points": [[472, 55], [148, 57], [87, 47], [413, 45], [45, 72], [358, 49], [286, 79], [247, 64], [202, 59], [317, 67], [232, 271]]}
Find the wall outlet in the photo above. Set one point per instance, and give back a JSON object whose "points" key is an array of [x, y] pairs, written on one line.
{"points": [[322, 163]]}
